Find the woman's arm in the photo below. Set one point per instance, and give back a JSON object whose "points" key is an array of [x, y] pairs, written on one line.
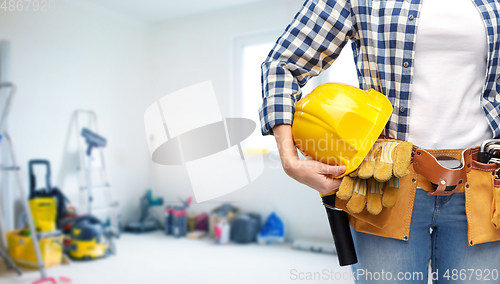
{"points": [[309, 45], [309, 172]]}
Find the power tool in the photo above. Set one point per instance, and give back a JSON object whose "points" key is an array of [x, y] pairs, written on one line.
{"points": [[147, 222]]}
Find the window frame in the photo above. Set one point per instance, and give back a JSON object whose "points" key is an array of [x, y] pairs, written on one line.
{"points": [[236, 89]]}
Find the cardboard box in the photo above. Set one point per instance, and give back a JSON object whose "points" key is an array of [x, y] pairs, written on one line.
{"points": [[196, 235], [214, 219]]}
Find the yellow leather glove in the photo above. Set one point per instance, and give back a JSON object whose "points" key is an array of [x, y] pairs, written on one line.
{"points": [[376, 182]]}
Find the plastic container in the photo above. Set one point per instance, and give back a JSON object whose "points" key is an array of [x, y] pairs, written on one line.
{"points": [[224, 212], [222, 231], [245, 228], [167, 228], [22, 251], [191, 222], [179, 223]]}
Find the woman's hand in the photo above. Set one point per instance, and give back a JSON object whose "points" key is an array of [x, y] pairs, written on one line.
{"points": [[309, 172]]}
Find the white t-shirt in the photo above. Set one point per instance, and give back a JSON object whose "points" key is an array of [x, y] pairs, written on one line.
{"points": [[449, 73]]}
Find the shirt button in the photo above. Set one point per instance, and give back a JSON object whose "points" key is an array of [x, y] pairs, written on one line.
{"points": [[410, 17], [402, 109], [406, 64]]}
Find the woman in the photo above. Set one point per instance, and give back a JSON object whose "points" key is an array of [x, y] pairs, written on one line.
{"points": [[436, 58]]}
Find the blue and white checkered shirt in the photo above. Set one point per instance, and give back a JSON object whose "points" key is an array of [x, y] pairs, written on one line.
{"points": [[383, 37]]}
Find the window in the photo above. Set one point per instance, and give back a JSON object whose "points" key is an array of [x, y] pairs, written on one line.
{"points": [[251, 91], [249, 54]]}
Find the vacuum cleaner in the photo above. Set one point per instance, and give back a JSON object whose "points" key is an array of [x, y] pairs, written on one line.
{"points": [[147, 223], [89, 238]]}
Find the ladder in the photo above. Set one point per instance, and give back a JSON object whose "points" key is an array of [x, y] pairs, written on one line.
{"points": [[92, 161], [3, 248], [4, 135]]}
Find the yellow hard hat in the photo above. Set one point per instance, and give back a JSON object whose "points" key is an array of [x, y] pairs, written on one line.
{"points": [[337, 124]]}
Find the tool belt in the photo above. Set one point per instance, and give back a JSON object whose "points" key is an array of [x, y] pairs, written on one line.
{"points": [[479, 182]]}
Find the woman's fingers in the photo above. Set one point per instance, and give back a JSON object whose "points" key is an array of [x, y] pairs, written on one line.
{"points": [[317, 176], [333, 170], [329, 185]]}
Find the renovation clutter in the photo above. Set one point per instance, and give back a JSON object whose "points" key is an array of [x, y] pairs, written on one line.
{"points": [[89, 238], [25, 244], [22, 251], [92, 170], [200, 226], [195, 235], [58, 228], [7, 263], [147, 221], [92, 140], [245, 228], [50, 228], [222, 231], [47, 206], [225, 212], [176, 219], [191, 219], [225, 224], [231, 225], [201, 222], [273, 231]]}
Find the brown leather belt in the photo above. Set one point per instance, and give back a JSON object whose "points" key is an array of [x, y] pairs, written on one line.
{"points": [[439, 180]]}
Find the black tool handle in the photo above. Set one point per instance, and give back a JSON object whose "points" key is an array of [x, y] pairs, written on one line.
{"points": [[341, 232], [31, 164], [483, 157]]}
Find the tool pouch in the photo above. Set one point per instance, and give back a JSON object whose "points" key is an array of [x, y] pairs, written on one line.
{"points": [[495, 212], [478, 182], [391, 222], [482, 203]]}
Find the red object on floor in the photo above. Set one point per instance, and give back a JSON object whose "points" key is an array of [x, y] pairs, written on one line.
{"points": [[51, 279], [65, 279]]}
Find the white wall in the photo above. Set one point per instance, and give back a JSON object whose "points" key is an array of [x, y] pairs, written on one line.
{"points": [[193, 49], [80, 56]]}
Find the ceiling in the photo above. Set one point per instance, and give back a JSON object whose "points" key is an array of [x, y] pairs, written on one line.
{"points": [[160, 10]]}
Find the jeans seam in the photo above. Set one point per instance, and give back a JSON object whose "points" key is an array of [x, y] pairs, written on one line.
{"points": [[436, 213], [433, 251], [447, 199]]}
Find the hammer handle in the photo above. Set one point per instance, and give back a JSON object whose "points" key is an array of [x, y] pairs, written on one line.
{"points": [[341, 232]]}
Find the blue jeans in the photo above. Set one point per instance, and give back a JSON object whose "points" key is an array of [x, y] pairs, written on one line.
{"points": [[438, 233]]}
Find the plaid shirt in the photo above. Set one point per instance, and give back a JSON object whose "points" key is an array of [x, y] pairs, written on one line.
{"points": [[383, 36]]}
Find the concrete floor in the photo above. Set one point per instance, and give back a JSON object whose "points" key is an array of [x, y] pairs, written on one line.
{"points": [[156, 258]]}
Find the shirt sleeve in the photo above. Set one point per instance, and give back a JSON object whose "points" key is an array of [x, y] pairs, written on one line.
{"points": [[308, 46]]}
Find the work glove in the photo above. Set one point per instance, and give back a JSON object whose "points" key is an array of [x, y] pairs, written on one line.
{"points": [[376, 181]]}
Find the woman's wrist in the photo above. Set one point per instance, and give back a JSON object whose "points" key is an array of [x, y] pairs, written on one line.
{"points": [[286, 147]]}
